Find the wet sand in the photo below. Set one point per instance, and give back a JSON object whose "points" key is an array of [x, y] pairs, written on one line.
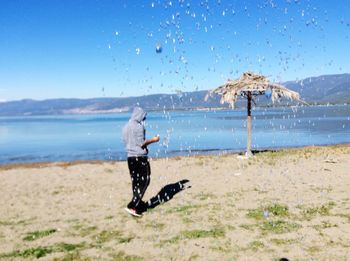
{"points": [[291, 203]]}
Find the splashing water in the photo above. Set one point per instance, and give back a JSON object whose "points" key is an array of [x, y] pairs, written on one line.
{"points": [[159, 48], [266, 214]]}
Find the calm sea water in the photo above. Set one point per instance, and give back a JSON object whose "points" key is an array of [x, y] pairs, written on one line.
{"points": [[87, 137]]}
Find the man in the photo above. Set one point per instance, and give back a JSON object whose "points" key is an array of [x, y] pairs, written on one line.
{"points": [[136, 146]]}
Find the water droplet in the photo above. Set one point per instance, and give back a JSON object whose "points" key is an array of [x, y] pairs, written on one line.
{"points": [[266, 214], [159, 48]]}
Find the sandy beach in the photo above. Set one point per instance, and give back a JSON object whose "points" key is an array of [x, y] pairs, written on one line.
{"points": [[292, 203]]}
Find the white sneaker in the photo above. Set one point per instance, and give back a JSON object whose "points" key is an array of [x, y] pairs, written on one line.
{"points": [[133, 212]]}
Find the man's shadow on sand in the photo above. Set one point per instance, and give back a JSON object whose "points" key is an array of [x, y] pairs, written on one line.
{"points": [[167, 193]]}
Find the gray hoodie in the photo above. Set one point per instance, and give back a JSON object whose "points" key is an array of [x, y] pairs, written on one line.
{"points": [[134, 133]]}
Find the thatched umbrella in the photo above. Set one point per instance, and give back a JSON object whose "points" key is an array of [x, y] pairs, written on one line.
{"points": [[248, 86]]}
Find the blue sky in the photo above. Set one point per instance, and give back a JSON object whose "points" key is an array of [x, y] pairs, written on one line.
{"points": [[95, 48]]}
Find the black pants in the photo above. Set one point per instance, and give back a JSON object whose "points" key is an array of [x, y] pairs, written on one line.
{"points": [[140, 173]]}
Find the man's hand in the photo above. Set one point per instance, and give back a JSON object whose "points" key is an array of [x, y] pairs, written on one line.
{"points": [[156, 138], [150, 141]]}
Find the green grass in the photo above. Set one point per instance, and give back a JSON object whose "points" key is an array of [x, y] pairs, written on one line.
{"points": [[235, 194], [42, 251], [187, 220], [14, 223], [122, 256], [275, 210], [272, 157], [214, 233], [205, 196], [325, 224], [271, 219], [7, 223], [250, 227], [155, 225], [278, 210], [313, 249], [31, 236], [311, 212], [279, 241], [255, 245], [83, 231], [30, 252], [106, 236], [74, 220], [259, 191], [186, 209], [72, 256], [230, 227], [173, 240], [322, 189], [279, 226], [257, 214], [223, 247], [195, 234], [66, 247]]}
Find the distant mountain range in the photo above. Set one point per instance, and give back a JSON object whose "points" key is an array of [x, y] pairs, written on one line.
{"points": [[333, 89]]}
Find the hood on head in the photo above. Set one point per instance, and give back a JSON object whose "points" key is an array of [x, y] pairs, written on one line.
{"points": [[138, 114]]}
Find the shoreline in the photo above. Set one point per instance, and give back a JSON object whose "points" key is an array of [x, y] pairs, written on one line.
{"points": [[239, 107], [43, 164]]}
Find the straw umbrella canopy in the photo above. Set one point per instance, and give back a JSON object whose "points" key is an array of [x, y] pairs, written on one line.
{"points": [[248, 86]]}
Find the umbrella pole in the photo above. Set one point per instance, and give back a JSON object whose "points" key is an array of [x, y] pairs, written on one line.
{"points": [[249, 110]]}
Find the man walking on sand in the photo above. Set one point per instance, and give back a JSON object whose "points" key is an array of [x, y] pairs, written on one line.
{"points": [[136, 146]]}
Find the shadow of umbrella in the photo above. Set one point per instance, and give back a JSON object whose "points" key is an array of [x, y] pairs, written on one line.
{"points": [[167, 193]]}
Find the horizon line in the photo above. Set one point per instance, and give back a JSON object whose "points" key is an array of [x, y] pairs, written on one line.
{"points": [[119, 97]]}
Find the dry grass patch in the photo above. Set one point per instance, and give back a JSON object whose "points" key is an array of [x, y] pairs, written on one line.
{"points": [[195, 234], [255, 245], [82, 231], [281, 241], [112, 235], [308, 213]]}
